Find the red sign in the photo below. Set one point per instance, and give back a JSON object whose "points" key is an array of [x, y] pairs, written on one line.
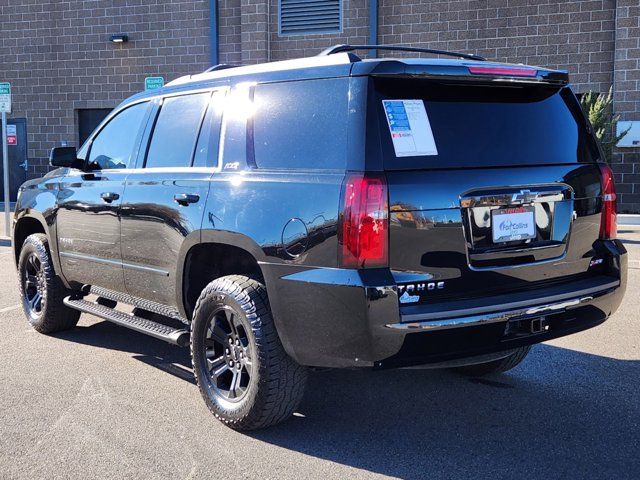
{"points": [[12, 135]]}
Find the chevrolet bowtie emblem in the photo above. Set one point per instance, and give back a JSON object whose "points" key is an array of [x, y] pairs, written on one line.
{"points": [[524, 196]]}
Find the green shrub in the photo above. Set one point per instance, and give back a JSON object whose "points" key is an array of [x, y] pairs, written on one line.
{"points": [[599, 109]]}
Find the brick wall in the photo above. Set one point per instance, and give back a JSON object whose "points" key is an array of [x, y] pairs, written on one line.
{"points": [[255, 31], [626, 163], [230, 32], [58, 58], [574, 35]]}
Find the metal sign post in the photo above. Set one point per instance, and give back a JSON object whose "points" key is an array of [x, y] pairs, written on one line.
{"points": [[5, 107]]}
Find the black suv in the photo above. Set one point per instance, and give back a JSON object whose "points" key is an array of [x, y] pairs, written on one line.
{"points": [[330, 212]]}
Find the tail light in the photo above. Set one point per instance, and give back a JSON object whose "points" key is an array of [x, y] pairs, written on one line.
{"points": [[506, 71], [608, 220], [364, 229]]}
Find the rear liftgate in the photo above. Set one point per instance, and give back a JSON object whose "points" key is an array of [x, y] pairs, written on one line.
{"points": [[515, 226]]}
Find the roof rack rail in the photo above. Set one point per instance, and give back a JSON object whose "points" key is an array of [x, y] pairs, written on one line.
{"points": [[220, 66], [400, 48]]}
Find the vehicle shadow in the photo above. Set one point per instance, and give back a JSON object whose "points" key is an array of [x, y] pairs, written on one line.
{"points": [[156, 353], [561, 414]]}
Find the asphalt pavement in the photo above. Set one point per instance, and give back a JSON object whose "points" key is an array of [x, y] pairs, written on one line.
{"points": [[101, 401]]}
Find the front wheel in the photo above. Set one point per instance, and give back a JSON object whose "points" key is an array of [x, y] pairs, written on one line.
{"points": [[41, 290], [244, 374]]}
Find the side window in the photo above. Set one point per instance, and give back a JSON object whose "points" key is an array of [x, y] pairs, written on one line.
{"points": [[114, 145], [209, 140], [301, 124], [174, 135], [236, 148]]}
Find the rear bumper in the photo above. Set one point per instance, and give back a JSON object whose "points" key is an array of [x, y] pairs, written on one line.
{"points": [[575, 294], [350, 318]]}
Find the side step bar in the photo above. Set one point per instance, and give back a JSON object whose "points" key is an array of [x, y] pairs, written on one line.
{"points": [[169, 334], [148, 305]]}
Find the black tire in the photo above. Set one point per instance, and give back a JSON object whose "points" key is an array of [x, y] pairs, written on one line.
{"points": [[41, 290], [496, 366], [270, 384]]}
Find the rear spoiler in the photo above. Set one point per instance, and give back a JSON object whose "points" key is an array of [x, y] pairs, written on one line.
{"points": [[472, 71], [397, 48]]}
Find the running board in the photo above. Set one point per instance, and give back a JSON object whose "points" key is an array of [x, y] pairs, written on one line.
{"points": [[169, 334], [164, 310]]}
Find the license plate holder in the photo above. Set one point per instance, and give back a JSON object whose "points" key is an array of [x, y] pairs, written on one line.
{"points": [[513, 224]]}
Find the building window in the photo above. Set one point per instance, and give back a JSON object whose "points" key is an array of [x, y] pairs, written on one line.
{"points": [[307, 17]]}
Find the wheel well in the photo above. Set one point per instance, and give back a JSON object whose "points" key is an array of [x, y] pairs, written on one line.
{"points": [[25, 227], [209, 261]]}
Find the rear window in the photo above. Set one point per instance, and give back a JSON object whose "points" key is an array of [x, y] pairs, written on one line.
{"points": [[483, 125]]}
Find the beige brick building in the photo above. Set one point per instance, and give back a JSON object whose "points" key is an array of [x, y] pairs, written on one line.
{"points": [[64, 69]]}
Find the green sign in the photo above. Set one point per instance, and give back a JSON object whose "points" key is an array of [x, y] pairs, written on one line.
{"points": [[5, 97], [151, 83]]}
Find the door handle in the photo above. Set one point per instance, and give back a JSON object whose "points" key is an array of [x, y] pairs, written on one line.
{"points": [[186, 198], [109, 196]]}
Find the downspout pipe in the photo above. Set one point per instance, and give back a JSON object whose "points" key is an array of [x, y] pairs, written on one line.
{"points": [[373, 26], [213, 31]]}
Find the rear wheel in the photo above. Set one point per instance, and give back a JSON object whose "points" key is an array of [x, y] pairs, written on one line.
{"points": [[244, 374], [41, 290], [495, 366]]}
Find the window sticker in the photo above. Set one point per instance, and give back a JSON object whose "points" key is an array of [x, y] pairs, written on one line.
{"points": [[410, 128]]}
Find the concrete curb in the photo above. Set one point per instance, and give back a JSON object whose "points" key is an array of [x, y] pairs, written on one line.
{"points": [[626, 219]]}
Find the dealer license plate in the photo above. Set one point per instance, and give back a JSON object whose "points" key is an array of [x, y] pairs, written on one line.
{"points": [[513, 224]]}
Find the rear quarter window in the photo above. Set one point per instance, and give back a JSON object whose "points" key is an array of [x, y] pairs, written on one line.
{"points": [[301, 124], [479, 125]]}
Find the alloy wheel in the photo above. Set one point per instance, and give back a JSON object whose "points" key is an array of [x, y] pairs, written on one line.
{"points": [[229, 354], [34, 284]]}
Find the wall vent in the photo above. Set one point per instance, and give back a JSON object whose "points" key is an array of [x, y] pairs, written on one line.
{"points": [[308, 17]]}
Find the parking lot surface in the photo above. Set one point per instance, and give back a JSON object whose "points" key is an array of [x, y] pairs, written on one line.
{"points": [[101, 401]]}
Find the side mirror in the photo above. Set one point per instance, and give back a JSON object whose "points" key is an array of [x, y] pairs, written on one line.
{"points": [[65, 157]]}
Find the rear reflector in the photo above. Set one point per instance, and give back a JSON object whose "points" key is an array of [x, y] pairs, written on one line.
{"points": [[608, 219], [364, 231], [503, 71]]}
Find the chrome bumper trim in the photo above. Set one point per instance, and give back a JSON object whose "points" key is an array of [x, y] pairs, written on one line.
{"points": [[501, 316], [418, 317]]}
